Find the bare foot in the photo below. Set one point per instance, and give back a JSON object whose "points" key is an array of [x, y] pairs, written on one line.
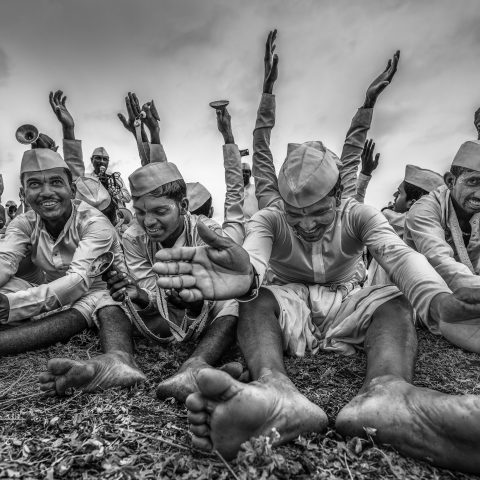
{"points": [[421, 423], [113, 369], [184, 382], [226, 413]]}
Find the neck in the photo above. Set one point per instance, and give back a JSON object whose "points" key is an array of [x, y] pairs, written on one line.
{"points": [[55, 226], [462, 215], [170, 241]]}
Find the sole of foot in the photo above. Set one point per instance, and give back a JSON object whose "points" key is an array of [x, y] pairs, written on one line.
{"points": [[421, 423], [184, 383], [113, 369], [226, 413]]}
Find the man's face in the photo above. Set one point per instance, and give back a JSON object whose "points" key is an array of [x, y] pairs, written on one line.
{"points": [[310, 223], [400, 205], [247, 173], [160, 217], [99, 161], [49, 193], [465, 191]]}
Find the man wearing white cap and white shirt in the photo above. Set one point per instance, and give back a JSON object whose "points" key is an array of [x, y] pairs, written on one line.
{"points": [[313, 302], [417, 183], [60, 237], [444, 226], [161, 207]]}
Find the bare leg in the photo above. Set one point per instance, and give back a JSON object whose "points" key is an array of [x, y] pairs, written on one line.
{"points": [[226, 413], [419, 422], [59, 327], [219, 336], [115, 368]]}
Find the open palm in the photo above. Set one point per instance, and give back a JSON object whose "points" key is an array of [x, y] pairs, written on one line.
{"points": [[220, 270]]}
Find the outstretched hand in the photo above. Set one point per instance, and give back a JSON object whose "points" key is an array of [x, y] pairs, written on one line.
{"points": [[271, 63], [369, 164], [224, 124], [456, 307], [381, 82], [57, 102], [133, 111], [220, 270], [151, 120]]}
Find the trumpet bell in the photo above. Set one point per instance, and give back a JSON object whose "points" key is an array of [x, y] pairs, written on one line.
{"points": [[26, 134], [100, 265]]}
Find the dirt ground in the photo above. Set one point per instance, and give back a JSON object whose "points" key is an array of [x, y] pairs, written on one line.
{"points": [[128, 434]]}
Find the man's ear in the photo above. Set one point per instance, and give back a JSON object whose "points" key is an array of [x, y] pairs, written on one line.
{"points": [[450, 180], [183, 206], [21, 192], [210, 213], [410, 203]]}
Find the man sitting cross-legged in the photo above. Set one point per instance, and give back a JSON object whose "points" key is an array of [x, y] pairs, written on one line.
{"points": [[444, 226], [161, 207], [45, 256], [313, 301]]}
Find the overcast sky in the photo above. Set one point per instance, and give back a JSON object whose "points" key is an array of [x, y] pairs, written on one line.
{"points": [[185, 53]]}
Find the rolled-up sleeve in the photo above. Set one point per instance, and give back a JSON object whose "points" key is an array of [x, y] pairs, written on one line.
{"points": [[425, 232], [409, 270], [234, 222], [96, 238], [362, 184]]}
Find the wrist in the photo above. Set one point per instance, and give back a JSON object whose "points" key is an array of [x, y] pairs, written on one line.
{"points": [[268, 88], [369, 102], [436, 306], [228, 138], [365, 172], [69, 133]]}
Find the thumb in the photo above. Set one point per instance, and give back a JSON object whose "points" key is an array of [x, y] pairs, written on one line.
{"points": [[212, 239]]}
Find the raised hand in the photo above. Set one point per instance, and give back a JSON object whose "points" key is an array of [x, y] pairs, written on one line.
{"points": [[151, 120], [369, 164], [57, 102], [224, 124], [381, 82], [220, 270], [271, 63], [133, 111]]}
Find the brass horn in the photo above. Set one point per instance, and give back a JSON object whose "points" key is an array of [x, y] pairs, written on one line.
{"points": [[26, 134]]}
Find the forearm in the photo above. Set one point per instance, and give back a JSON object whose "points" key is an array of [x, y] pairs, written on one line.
{"points": [[68, 132], [352, 150], [263, 169], [234, 223], [47, 297]]}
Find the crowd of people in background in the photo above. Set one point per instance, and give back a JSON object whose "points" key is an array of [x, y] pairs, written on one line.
{"points": [[299, 265]]}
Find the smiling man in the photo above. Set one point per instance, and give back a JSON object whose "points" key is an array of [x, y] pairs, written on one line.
{"points": [[444, 226], [45, 256]]}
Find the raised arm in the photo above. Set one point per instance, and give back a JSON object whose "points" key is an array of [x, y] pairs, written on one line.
{"points": [[357, 133], [233, 222], [369, 164], [263, 169], [72, 148]]}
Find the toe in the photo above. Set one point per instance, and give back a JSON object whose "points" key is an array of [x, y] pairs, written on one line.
{"points": [[60, 366], [234, 369], [46, 377], [195, 402], [45, 386], [202, 443], [217, 384], [198, 418], [200, 430]]}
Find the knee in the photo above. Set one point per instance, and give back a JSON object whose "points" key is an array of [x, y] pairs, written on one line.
{"points": [[265, 303]]}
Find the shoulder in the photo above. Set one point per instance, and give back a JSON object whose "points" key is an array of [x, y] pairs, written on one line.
{"points": [[25, 223], [134, 233], [89, 218], [431, 206]]}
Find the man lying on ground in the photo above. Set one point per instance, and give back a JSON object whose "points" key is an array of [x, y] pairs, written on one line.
{"points": [[444, 226], [45, 256], [163, 220], [318, 306]]}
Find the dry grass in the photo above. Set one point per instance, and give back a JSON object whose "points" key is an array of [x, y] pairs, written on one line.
{"points": [[124, 434]]}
